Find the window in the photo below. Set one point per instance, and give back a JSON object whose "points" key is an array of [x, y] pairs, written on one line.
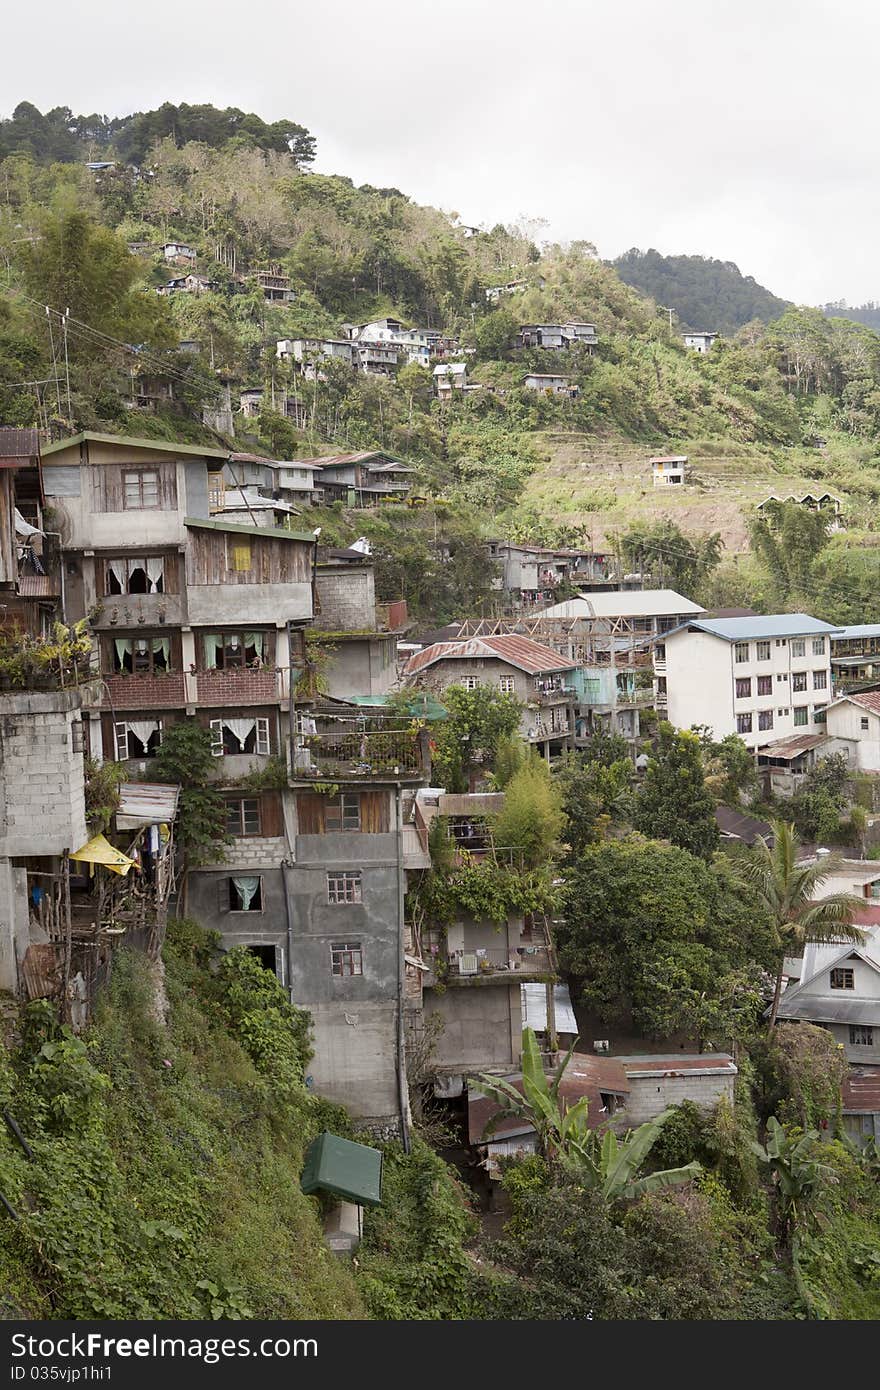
{"points": [[798, 681], [798, 647], [819, 714], [344, 887], [820, 680], [782, 676], [843, 979], [470, 682], [765, 685], [741, 652], [230, 736], [243, 815], [765, 719], [141, 488], [141, 656], [346, 958], [743, 723], [743, 688], [225, 651], [138, 738], [864, 724], [801, 716], [342, 812], [782, 713], [818, 646], [860, 1036], [246, 893], [142, 574], [507, 685], [239, 555], [762, 651]]}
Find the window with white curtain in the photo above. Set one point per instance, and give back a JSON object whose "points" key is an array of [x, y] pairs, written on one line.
{"points": [[224, 651], [137, 738], [246, 893], [141, 656], [134, 574], [243, 735]]}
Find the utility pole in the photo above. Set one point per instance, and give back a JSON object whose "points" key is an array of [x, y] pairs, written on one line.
{"points": [[66, 363]]}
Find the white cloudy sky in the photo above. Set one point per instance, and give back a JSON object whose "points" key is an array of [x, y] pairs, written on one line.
{"points": [[742, 129]]}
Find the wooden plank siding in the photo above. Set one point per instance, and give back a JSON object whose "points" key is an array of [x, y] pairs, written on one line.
{"points": [[170, 573], [375, 811], [209, 560], [107, 485]]}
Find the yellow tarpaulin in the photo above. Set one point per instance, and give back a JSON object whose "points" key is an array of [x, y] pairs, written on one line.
{"points": [[98, 850]]}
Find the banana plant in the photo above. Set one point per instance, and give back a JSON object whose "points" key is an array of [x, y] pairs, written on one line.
{"points": [[796, 1173], [539, 1103], [611, 1165]]}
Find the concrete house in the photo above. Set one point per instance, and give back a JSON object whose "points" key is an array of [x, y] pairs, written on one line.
{"points": [[449, 377], [839, 989], [515, 665], [557, 335], [275, 287], [668, 470], [856, 718], [825, 503], [362, 479], [360, 635], [785, 762], [551, 384], [699, 342], [178, 253], [760, 677], [187, 284], [309, 352]]}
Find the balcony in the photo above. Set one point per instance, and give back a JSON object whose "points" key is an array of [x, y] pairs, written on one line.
{"points": [[238, 686], [484, 966], [132, 610], [165, 690], [555, 694], [356, 754]]}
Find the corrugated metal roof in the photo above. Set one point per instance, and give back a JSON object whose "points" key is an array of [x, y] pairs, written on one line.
{"points": [[161, 446], [859, 630], [38, 586], [741, 826], [273, 533], [861, 1091], [18, 447], [337, 460], [586, 1076], [868, 699], [520, 652], [679, 1064], [626, 603], [789, 748], [534, 1010], [146, 803], [816, 1008], [669, 458], [769, 625]]}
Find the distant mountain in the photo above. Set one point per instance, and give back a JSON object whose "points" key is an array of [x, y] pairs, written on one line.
{"points": [[707, 295], [868, 314]]}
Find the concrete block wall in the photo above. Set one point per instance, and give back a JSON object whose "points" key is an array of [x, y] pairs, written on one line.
{"points": [[253, 852], [346, 599], [42, 780], [650, 1095]]}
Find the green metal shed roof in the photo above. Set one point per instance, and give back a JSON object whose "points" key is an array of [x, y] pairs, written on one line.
{"points": [[421, 706], [160, 446], [348, 1170], [274, 533]]}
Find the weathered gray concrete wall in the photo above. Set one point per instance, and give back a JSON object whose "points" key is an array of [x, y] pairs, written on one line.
{"points": [[13, 923], [650, 1095], [42, 787], [346, 598], [355, 1044], [482, 1026], [361, 666]]}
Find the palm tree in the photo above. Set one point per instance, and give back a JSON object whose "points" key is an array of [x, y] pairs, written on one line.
{"points": [[787, 890], [539, 1103], [610, 1165]]}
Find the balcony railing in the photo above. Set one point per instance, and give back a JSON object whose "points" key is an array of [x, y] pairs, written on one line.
{"points": [[553, 694], [237, 686], [161, 690], [357, 754]]}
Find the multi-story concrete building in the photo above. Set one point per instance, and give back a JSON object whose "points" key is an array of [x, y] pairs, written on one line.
{"points": [[760, 677]]}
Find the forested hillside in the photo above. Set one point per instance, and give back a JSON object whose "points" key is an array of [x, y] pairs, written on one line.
{"points": [[707, 295], [85, 340]]}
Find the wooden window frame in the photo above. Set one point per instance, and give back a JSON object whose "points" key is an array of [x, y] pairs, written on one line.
{"points": [[262, 744], [345, 812], [140, 474], [122, 724], [339, 882], [235, 807], [344, 953], [845, 978]]}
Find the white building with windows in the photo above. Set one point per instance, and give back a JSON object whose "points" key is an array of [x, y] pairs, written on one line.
{"points": [[857, 717], [699, 342], [760, 677]]}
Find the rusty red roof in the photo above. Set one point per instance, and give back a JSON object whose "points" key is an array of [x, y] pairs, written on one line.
{"points": [[869, 699], [18, 447], [677, 1063], [861, 1091], [521, 652], [585, 1076]]}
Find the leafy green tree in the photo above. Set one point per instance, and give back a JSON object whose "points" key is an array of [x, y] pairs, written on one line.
{"points": [[611, 1166], [495, 334], [787, 540], [466, 742], [663, 551], [595, 795], [786, 887], [796, 1172], [532, 818], [673, 802], [731, 775], [185, 758]]}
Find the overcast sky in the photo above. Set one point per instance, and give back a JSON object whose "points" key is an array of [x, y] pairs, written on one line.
{"points": [[741, 129]]}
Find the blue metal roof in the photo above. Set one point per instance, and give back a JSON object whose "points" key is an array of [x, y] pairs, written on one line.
{"points": [[768, 625], [860, 630]]}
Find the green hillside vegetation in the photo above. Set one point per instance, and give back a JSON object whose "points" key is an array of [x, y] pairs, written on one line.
{"points": [[707, 295], [788, 405]]}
